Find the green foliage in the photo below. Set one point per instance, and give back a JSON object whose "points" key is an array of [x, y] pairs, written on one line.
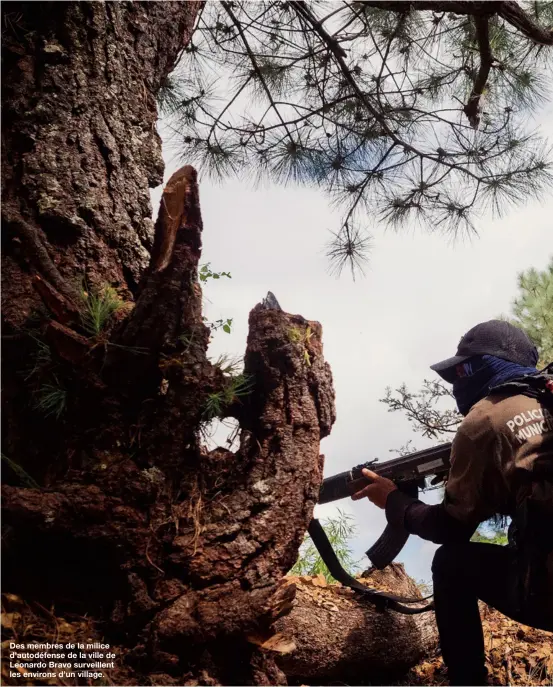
{"points": [[52, 399], [533, 309], [41, 357], [229, 365], [98, 307], [235, 388], [495, 537], [340, 530], [188, 340], [225, 325], [348, 247], [23, 476], [206, 273], [372, 104], [297, 336], [172, 94]]}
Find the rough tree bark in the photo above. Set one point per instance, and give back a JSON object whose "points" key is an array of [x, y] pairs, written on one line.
{"points": [[79, 152], [125, 517], [178, 550]]}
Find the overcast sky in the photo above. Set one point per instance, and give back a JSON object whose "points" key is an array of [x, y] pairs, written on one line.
{"points": [[420, 294]]}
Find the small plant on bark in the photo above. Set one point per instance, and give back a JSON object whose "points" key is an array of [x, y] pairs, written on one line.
{"points": [[41, 357], [297, 336], [52, 399], [98, 307], [218, 402], [229, 365], [23, 476]]}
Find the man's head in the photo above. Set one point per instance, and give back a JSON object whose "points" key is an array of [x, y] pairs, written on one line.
{"points": [[496, 338]]}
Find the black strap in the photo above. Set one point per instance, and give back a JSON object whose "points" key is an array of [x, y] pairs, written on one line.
{"points": [[538, 386], [381, 600]]}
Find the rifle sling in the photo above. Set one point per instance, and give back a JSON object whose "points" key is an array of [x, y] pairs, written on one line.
{"points": [[381, 600]]}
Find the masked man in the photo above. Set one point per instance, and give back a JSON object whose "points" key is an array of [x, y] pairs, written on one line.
{"points": [[501, 465]]}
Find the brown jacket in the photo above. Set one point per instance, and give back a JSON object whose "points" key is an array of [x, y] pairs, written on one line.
{"points": [[499, 440], [499, 451], [501, 463]]}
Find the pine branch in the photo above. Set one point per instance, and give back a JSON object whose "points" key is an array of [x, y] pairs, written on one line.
{"points": [[374, 106], [255, 65], [348, 76], [511, 11], [486, 60]]}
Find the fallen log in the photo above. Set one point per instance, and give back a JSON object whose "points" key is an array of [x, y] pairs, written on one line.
{"points": [[340, 638]]}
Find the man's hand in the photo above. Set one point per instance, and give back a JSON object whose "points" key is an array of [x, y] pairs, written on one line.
{"points": [[377, 491]]}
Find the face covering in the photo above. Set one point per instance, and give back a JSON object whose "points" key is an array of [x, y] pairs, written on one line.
{"points": [[478, 375]]}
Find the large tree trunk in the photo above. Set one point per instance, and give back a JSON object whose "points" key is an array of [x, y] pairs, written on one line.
{"points": [[113, 508], [80, 147], [79, 153], [125, 517]]}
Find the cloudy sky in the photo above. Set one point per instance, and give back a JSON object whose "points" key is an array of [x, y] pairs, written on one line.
{"points": [[420, 294]]}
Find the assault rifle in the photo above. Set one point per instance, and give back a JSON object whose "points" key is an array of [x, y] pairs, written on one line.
{"points": [[410, 473]]}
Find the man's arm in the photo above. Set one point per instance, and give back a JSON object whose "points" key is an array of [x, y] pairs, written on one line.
{"points": [[466, 501], [429, 522]]}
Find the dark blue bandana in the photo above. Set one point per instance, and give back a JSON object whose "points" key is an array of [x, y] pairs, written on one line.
{"points": [[477, 376]]}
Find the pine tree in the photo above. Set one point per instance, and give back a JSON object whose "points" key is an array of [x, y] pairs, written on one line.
{"points": [[533, 309], [400, 111]]}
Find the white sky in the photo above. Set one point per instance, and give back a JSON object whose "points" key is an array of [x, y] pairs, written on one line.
{"points": [[421, 293]]}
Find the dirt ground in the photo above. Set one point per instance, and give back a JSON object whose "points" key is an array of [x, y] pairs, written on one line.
{"points": [[517, 655]]}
